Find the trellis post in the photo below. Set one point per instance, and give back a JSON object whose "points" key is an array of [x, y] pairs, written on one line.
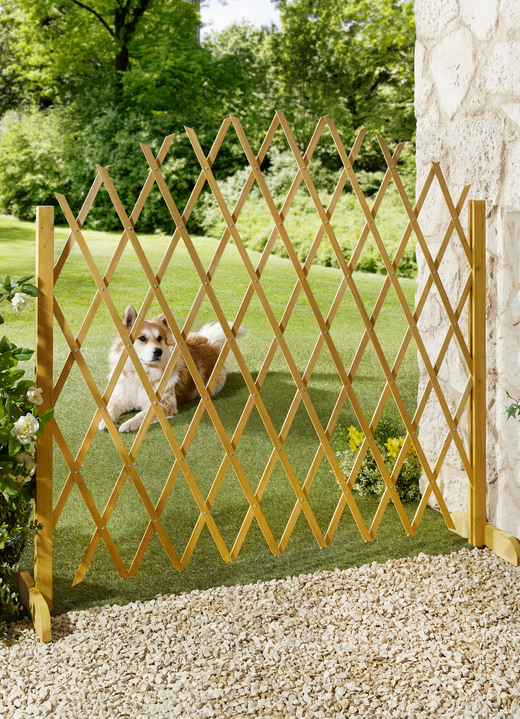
{"points": [[478, 408], [37, 595], [473, 524]]}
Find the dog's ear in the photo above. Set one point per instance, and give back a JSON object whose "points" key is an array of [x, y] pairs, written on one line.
{"points": [[129, 317], [162, 318]]}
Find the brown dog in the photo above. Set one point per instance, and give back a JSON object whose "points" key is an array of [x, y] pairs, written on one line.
{"points": [[154, 345]]}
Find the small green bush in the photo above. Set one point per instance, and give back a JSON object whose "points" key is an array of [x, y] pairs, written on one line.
{"points": [[17, 527], [389, 439]]}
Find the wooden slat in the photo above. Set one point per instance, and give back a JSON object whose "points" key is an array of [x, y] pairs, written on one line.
{"points": [[424, 249], [347, 382], [347, 270], [462, 406], [307, 373], [345, 498], [272, 350], [113, 262], [82, 216], [186, 354], [420, 303], [188, 324], [417, 336]]}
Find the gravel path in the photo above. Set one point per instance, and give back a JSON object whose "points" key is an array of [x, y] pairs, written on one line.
{"points": [[421, 637]]}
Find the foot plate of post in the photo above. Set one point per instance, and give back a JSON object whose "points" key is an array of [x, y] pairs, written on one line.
{"points": [[36, 605], [501, 543]]}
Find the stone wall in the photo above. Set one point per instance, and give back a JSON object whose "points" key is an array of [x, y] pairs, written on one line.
{"points": [[468, 118]]}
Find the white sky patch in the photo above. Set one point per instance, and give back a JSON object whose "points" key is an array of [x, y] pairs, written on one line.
{"points": [[216, 16]]}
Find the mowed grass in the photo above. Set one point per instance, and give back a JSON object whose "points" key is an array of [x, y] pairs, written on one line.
{"points": [[102, 465]]}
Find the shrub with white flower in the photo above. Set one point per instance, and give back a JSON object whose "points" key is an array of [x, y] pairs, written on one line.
{"points": [[27, 461], [20, 301], [25, 428], [20, 424], [34, 395]]}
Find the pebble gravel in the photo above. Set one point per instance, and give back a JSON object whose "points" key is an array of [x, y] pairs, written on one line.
{"points": [[412, 638]]}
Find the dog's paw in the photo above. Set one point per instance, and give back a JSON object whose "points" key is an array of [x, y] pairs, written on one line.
{"points": [[130, 426], [102, 426]]}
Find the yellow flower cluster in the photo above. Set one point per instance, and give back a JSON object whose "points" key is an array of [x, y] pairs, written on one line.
{"points": [[394, 444], [355, 438]]}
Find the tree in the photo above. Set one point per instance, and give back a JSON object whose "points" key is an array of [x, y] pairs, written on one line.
{"points": [[75, 46], [104, 75], [352, 59], [242, 77], [83, 81], [10, 92]]}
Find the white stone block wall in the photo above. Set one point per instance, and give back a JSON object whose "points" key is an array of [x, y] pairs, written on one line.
{"points": [[467, 105]]}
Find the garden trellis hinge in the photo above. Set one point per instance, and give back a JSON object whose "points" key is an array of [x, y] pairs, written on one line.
{"points": [[470, 446]]}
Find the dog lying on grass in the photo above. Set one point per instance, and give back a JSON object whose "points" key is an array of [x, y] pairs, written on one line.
{"points": [[154, 346]]}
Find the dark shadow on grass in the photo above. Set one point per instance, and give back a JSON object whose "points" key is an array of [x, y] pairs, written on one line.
{"points": [[19, 234], [102, 585]]}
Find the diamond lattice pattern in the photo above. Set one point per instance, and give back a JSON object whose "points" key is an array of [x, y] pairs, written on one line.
{"points": [[275, 434]]}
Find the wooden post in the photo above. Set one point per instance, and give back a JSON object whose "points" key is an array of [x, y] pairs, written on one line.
{"points": [[478, 405], [44, 379], [473, 524]]}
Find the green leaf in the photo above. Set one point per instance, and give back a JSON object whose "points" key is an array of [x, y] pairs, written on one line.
{"points": [[27, 491], [30, 290], [24, 385], [9, 487], [22, 354], [14, 445], [22, 280], [47, 415], [5, 345]]}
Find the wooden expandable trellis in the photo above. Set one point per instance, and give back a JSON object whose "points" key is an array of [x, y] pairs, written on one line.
{"points": [[472, 351]]}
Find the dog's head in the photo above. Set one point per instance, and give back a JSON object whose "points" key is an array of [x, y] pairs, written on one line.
{"points": [[154, 339]]}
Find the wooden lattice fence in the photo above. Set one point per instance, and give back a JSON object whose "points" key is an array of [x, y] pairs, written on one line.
{"points": [[470, 342]]}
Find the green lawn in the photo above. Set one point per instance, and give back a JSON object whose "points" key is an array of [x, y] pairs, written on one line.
{"points": [[75, 409]]}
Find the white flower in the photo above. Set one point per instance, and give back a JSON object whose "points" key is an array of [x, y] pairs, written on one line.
{"points": [[25, 428], [20, 301], [34, 395], [27, 461]]}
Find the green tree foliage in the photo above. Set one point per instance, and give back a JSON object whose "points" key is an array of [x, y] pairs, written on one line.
{"points": [[99, 47], [33, 160], [352, 60], [244, 78], [9, 88], [101, 76], [82, 82]]}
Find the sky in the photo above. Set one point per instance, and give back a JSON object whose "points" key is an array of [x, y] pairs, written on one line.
{"points": [[216, 16]]}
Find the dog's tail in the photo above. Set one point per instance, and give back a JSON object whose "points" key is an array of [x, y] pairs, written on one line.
{"points": [[214, 333]]}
